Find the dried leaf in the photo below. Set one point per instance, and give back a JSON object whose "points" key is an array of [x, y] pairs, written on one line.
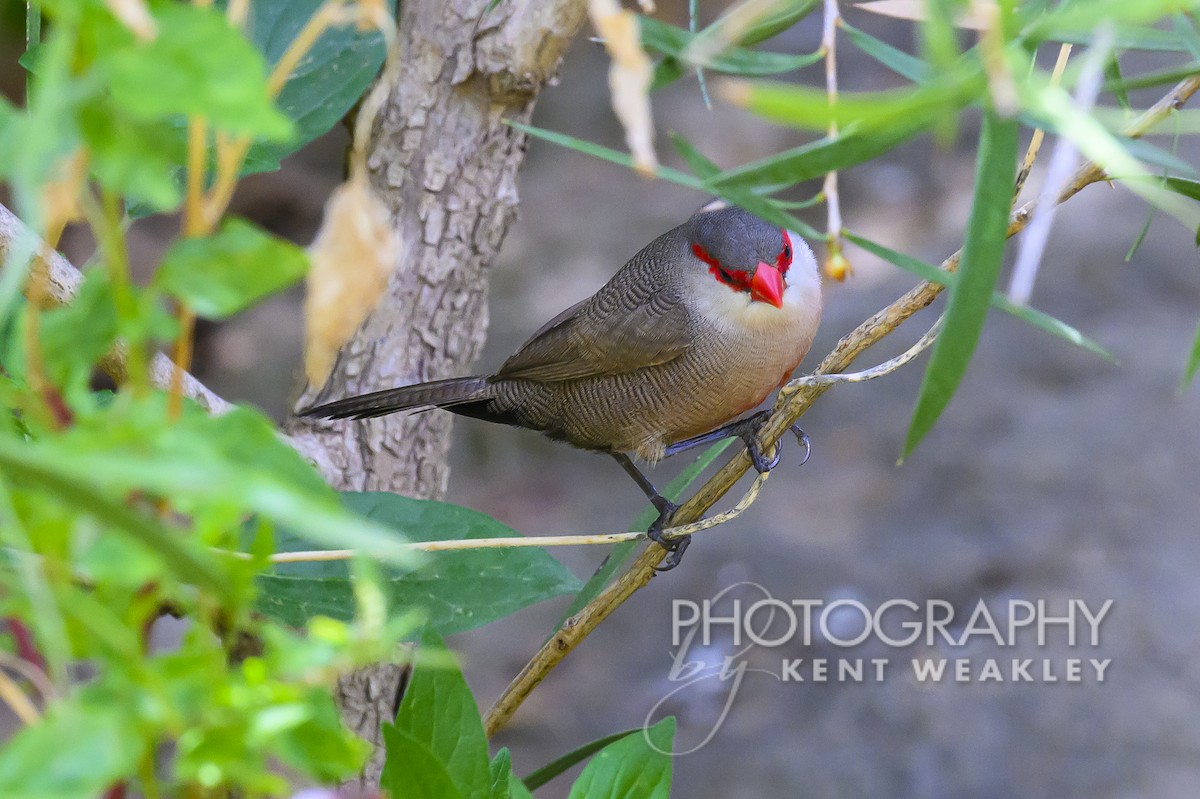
{"points": [[916, 10], [352, 256], [628, 79], [135, 15]]}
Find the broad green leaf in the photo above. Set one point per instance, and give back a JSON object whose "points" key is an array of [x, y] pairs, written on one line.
{"points": [[672, 42], [325, 85], [75, 478], [620, 553], [412, 771], [204, 462], [197, 65], [69, 355], [457, 590], [551, 770], [229, 271], [439, 712], [1185, 29], [634, 767], [983, 252], [75, 752], [1032, 316], [136, 159], [1076, 22], [898, 61], [1193, 361], [1127, 37], [505, 784], [1157, 156]]}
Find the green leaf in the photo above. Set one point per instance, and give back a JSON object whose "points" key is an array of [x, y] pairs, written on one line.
{"points": [[1112, 75], [980, 267], [229, 271], [328, 81], [197, 65], [1155, 78], [672, 41], [635, 767], [457, 590], [898, 61], [412, 771], [604, 153], [1188, 188], [776, 20], [439, 712], [816, 159], [73, 337], [133, 158], [1032, 316], [621, 552], [809, 108], [551, 770], [505, 784], [104, 747], [1193, 361], [73, 478]]}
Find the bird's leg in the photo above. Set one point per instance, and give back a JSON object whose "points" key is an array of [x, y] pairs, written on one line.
{"points": [[666, 509], [747, 430]]}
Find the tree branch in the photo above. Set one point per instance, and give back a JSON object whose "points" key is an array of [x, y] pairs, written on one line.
{"points": [[790, 405]]}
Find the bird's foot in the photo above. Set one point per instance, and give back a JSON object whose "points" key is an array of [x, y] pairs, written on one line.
{"points": [[748, 429], [675, 547]]}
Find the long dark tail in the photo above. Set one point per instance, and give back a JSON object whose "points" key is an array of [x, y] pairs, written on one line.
{"points": [[435, 394]]}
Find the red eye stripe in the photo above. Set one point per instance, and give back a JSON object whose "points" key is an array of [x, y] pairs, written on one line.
{"points": [[784, 259], [734, 278]]}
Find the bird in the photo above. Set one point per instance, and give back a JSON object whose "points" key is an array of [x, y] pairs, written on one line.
{"points": [[697, 328]]}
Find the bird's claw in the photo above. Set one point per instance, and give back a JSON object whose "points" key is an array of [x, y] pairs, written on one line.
{"points": [[675, 547], [761, 463]]}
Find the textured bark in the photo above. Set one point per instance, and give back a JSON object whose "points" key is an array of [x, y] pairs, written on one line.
{"points": [[446, 164]]}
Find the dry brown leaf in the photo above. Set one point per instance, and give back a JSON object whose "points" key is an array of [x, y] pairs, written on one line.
{"points": [[135, 15], [352, 256], [629, 79], [917, 11]]}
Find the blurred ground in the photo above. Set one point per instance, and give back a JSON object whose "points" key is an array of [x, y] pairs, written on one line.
{"points": [[1053, 475]]}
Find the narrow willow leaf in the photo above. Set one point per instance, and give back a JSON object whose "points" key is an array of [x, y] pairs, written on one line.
{"points": [[816, 159], [809, 108], [1112, 73], [1157, 78], [898, 61], [1188, 188], [1032, 316], [605, 153], [1193, 362], [673, 42], [780, 18], [983, 252], [696, 160], [1185, 29], [1141, 237], [551, 770]]}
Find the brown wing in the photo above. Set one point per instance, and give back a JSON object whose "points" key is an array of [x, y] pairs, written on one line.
{"points": [[616, 330]]}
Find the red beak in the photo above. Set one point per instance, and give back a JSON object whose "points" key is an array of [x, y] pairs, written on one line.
{"points": [[767, 285]]}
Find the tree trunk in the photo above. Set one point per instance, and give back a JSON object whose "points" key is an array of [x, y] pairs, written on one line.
{"points": [[445, 163]]}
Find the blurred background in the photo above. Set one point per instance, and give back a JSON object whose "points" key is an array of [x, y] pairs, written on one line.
{"points": [[1053, 474]]}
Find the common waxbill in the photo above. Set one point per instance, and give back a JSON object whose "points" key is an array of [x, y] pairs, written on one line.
{"points": [[697, 328]]}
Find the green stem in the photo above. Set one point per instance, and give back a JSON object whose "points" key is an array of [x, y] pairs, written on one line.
{"points": [[33, 37]]}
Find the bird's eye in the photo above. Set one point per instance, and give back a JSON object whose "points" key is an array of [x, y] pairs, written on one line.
{"points": [[728, 278], [784, 260]]}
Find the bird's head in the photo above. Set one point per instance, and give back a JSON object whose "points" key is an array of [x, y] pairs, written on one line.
{"points": [[746, 254]]}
